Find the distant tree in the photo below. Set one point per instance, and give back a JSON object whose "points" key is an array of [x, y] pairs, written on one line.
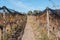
{"points": [[29, 12], [24, 13], [36, 12]]}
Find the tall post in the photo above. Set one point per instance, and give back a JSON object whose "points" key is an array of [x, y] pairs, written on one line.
{"points": [[48, 23], [4, 28], [0, 34], [57, 35]]}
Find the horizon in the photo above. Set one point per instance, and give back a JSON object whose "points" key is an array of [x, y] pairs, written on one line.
{"points": [[27, 5]]}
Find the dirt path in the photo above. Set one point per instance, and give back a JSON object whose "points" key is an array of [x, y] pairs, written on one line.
{"points": [[28, 33]]}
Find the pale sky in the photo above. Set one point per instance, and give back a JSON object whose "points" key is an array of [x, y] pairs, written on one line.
{"points": [[26, 5]]}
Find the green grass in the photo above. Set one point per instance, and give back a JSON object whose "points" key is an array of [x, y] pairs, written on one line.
{"points": [[44, 36]]}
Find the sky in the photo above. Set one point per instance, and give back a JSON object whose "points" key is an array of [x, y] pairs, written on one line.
{"points": [[27, 5]]}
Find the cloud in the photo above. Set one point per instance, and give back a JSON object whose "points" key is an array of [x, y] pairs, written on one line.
{"points": [[20, 4]]}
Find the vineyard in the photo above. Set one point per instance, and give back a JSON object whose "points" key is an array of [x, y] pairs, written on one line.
{"points": [[31, 26]]}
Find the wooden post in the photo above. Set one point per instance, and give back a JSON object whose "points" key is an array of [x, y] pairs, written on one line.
{"points": [[57, 35], [0, 34], [4, 28], [48, 23]]}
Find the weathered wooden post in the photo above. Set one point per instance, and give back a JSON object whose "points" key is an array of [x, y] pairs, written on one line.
{"points": [[0, 33], [47, 22], [4, 28]]}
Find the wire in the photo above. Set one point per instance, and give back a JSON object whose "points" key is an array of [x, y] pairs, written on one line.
{"points": [[54, 4]]}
